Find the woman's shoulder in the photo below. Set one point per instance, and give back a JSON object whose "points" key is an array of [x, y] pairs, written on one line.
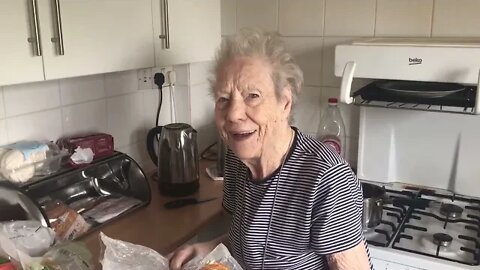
{"points": [[316, 151]]}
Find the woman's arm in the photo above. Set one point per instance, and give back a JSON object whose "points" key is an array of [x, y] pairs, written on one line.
{"points": [[355, 258]]}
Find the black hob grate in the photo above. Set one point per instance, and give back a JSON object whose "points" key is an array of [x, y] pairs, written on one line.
{"points": [[432, 231]]}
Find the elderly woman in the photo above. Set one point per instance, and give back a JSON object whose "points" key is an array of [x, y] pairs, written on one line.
{"points": [[295, 203]]}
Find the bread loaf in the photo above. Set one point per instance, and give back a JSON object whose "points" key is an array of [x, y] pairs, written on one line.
{"points": [[16, 167], [215, 266]]}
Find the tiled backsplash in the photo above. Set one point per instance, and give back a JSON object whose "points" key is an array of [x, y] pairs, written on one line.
{"points": [[312, 28], [108, 103]]}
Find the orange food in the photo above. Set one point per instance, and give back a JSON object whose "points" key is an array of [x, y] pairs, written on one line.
{"points": [[215, 266]]}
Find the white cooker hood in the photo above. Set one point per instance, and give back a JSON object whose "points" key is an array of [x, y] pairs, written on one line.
{"points": [[420, 59]]}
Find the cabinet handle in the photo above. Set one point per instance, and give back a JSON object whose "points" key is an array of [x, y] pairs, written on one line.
{"points": [[36, 39], [58, 20], [166, 27]]}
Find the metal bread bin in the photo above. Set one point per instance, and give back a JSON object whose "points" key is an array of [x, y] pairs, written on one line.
{"points": [[99, 193]]}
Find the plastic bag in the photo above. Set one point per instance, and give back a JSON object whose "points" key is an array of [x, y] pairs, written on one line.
{"points": [[22, 250], [66, 256], [120, 255], [219, 255], [28, 236]]}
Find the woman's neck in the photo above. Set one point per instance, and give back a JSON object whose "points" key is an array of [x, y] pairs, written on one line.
{"points": [[273, 157]]}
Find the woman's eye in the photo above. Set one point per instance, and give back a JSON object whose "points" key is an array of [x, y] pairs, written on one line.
{"points": [[222, 100], [253, 95]]}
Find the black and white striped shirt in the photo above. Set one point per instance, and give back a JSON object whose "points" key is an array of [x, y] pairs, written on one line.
{"points": [[304, 211]]}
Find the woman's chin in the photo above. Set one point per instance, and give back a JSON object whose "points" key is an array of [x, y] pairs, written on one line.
{"points": [[243, 152]]}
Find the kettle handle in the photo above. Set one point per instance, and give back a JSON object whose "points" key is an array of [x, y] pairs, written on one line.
{"points": [[152, 133]]}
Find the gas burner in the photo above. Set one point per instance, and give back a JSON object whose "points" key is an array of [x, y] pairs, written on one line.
{"points": [[442, 239], [451, 210]]}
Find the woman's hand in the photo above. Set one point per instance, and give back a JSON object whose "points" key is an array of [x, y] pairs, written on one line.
{"points": [[185, 253], [182, 255]]}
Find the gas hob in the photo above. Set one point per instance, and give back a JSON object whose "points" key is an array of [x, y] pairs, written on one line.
{"points": [[435, 229]]}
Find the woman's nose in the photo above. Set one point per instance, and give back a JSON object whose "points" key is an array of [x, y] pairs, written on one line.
{"points": [[236, 110]]}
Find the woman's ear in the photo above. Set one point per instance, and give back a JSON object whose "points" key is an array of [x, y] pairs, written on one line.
{"points": [[287, 100]]}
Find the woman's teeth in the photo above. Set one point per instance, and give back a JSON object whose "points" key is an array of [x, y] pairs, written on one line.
{"points": [[242, 135]]}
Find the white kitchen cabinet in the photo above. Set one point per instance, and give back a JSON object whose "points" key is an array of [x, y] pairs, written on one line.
{"points": [[99, 36], [192, 28], [18, 63], [76, 37]]}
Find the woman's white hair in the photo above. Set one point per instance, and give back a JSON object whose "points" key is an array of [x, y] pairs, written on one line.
{"points": [[254, 42]]}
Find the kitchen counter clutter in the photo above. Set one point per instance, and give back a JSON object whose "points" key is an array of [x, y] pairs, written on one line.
{"points": [[29, 161], [161, 229], [150, 225]]}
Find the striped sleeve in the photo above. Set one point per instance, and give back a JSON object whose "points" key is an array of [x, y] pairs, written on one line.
{"points": [[337, 213], [229, 188]]}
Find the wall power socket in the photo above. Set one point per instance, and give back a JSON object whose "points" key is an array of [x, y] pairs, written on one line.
{"points": [[145, 79]]}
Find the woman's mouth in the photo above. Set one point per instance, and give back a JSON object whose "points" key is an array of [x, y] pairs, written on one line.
{"points": [[242, 136]]}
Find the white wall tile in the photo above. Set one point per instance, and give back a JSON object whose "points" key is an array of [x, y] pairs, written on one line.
{"points": [[148, 167], [254, 13], [124, 118], [301, 17], [46, 125], [183, 104], [404, 18], [183, 74], [203, 106], [3, 132], [349, 17], [328, 57], [85, 118], [150, 106], [456, 18], [137, 151], [2, 105], [119, 83], [202, 114], [228, 15], [200, 72], [206, 136], [31, 97], [81, 89], [307, 52], [150, 103], [306, 113]]}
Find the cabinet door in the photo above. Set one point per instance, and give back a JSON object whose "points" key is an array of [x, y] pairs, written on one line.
{"points": [[193, 27], [18, 63], [99, 36]]}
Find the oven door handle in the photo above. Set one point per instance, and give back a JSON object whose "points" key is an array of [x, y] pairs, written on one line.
{"points": [[346, 86]]}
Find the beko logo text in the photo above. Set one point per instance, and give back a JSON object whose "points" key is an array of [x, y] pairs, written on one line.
{"points": [[414, 61]]}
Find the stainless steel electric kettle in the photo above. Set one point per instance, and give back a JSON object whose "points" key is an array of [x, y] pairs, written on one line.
{"points": [[177, 160]]}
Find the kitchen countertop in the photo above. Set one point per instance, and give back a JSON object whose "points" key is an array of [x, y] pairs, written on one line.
{"points": [[161, 229]]}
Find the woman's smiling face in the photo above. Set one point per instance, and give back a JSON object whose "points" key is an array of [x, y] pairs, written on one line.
{"points": [[247, 112]]}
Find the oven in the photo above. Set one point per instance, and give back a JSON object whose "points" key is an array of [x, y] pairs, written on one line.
{"points": [[419, 141]]}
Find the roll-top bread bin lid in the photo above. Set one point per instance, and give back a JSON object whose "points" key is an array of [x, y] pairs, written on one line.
{"points": [[17, 205]]}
